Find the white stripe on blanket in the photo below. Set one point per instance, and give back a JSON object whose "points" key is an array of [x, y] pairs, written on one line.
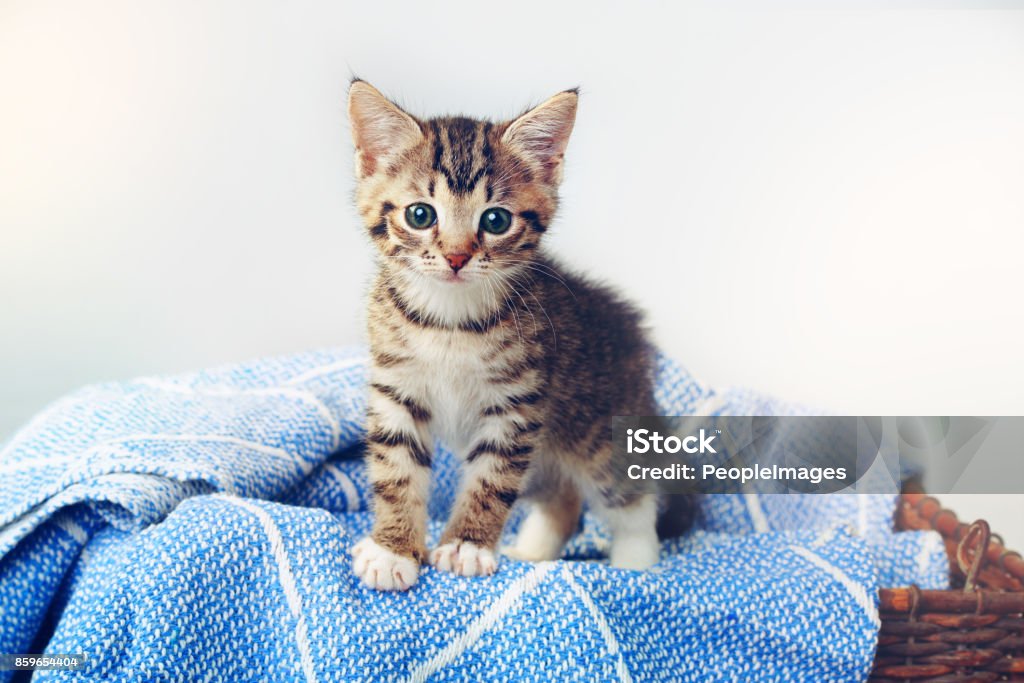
{"points": [[191, 438], [502, 606], [284, 571], [224, 391], [856, 590], [602, 625]]}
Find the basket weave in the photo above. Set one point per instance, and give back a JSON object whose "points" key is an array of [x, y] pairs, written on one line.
{"points": [[973, 632]]}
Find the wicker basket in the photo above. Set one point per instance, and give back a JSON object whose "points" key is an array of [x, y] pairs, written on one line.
{"points": [[973, 632]]}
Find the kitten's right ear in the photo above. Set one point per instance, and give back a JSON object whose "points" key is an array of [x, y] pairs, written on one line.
{"points": [[543, 132], [380, 129]]}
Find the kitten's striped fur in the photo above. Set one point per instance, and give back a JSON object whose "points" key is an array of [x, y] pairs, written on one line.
{"points": [[482, 340]]}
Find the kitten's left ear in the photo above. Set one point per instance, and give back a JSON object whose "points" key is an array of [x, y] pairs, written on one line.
{"points": [[543, 132]]}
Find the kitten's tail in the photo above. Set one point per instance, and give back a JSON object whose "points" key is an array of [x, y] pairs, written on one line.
{"points": [[676, 513]]}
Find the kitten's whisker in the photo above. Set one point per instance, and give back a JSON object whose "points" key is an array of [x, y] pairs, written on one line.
{"points": [[512, 309], [540, 270], [551, 325], [525, 305]]}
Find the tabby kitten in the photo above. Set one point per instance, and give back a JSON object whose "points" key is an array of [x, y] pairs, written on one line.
{"points": [[480, 339]]}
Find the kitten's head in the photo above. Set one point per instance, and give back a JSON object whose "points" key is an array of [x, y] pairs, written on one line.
{"points": [[454, 200]]}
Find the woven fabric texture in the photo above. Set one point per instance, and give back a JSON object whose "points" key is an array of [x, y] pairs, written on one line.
{"points": [[198, 527]]}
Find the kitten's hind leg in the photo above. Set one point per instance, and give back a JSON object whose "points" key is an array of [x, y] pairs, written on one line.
{"points": [[552, 519], [631, 513], [634, 537]]}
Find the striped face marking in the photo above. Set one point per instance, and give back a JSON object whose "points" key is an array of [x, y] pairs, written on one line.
{"points": [[454, 201]]}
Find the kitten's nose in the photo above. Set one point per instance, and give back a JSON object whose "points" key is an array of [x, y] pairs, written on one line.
{"points": [[456, 261]]}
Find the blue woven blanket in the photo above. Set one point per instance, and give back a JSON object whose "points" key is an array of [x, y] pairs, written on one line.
{"points": [[199, 527]]}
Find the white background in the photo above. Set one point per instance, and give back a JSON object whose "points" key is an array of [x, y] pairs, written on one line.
{"points": [[823, 204]]}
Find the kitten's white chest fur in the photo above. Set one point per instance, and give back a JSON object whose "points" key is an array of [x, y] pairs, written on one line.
{"points": [[449, 373], [449, 376]]}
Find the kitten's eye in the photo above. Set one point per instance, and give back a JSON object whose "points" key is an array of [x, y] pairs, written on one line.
{"points": [[495, 221], [420, 216]]}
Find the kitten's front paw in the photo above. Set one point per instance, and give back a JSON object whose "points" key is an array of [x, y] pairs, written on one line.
{"points": [[381, 569], [464, 559]]}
